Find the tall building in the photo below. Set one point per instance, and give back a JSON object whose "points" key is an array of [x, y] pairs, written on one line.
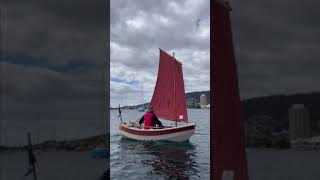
{"points": [[203, 101], [299, 122]]}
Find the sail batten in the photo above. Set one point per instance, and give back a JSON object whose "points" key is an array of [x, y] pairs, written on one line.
{"points": [[168, 98]]}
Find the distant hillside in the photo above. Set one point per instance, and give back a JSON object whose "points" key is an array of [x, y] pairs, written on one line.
{"points": [[277, 106], [196, 95], [266, 118], [193, 99], [273, 106]]}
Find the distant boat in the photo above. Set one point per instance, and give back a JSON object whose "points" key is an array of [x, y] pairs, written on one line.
{"points": [[141, 109], [169, 103]]}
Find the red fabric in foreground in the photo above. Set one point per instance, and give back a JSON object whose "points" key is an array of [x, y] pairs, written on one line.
{"points": [[163, 101], [227, 130]]}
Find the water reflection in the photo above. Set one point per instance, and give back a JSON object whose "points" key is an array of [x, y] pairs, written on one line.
{"points": [[167, 159]]}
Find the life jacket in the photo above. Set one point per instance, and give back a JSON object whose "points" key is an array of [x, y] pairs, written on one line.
{"points": [[148, 120]]}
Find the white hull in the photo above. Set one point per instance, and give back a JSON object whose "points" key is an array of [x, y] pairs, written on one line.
{"points": [[183, 133]]}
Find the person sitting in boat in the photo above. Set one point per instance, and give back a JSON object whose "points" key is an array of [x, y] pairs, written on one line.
{"points": [[150, 119]]}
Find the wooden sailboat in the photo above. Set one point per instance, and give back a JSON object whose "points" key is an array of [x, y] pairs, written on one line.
{"points": [[169, 103]]}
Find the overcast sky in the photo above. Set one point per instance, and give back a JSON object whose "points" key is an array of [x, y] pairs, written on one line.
{"points": [[53, 46], [53, 66], [140, 28], [277, 46]]}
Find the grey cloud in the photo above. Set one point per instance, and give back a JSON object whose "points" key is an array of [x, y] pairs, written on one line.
{"points": [[29, 89], [60, 31], [42, 45], [139, 28], [276, 46], [72, 11]]}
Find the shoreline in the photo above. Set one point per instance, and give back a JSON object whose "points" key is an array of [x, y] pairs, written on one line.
{"points": [[83, 144]]}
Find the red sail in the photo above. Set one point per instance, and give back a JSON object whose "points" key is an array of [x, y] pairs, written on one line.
{"points": [[228, 148], [168, 100]]}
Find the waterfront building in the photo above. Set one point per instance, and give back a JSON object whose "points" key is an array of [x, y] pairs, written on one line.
{"points": [[203, 101], [299, 122]]}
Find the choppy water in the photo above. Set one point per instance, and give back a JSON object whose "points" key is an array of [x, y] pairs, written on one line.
{"points": [[151, 160], [52, 165], [161, 160], [272, 164], [158, 160]]}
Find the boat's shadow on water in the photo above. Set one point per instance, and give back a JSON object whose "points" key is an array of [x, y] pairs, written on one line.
{"points": [[167, 159]]}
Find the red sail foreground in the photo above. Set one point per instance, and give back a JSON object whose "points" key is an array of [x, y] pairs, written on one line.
{"points": [[168, 100], [227, 143]]}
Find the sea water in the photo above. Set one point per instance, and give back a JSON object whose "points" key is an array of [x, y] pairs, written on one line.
{"points": [[132, 159], [143, 160], [154, 160]]}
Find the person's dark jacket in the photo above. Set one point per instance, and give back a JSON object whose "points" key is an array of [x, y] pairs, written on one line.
{"points": [[155, 120]]}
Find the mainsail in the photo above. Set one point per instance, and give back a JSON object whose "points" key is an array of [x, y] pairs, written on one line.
{"points": [[228, 148], [168, 100]]}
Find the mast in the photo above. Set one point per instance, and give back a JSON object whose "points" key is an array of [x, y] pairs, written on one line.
{"points": [[120, 113], [174, 91], [32, 159], [142, 96]]}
